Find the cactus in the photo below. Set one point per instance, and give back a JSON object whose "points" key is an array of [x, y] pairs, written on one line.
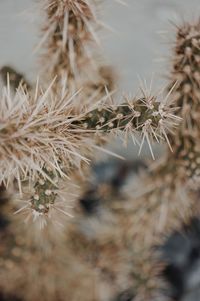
{"points": [[62, 240]]}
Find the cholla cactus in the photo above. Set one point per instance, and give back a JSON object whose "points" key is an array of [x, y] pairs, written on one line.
{"points": [[72, 248], [70, 36], [167, 195], [69, 26], [41, 132]]}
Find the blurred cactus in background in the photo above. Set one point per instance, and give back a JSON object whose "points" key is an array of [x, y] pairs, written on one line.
{"points": [[106, 231]]}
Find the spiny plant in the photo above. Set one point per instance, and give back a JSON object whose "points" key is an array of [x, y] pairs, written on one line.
{"points": [[167, 195], [48, 134]]}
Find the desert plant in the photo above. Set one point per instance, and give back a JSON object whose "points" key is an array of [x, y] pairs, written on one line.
{"points": [[86, 247]]}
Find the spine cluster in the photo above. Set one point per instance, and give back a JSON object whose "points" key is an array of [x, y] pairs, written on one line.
{"points": [[41, 131], [48, 134], [185, 73], [70, 35]]}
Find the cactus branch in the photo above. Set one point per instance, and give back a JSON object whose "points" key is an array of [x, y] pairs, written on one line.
{"points": [[70, 28], [40, 131], [185, 73]]}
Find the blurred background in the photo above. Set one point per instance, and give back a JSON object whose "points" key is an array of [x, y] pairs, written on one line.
{"points": [[138, 45]]}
